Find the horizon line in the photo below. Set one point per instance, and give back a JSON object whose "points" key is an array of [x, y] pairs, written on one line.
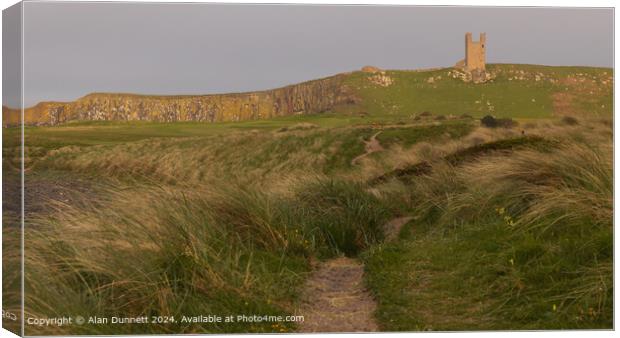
{"points": [[278, 87]]}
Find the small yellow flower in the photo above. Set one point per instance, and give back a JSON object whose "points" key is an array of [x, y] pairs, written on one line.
{"points": [[512, 261], [501, 211], [555, 307]]}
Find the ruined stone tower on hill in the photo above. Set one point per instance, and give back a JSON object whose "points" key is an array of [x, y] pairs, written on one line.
{"points": [[475, 53], [473, 66]]}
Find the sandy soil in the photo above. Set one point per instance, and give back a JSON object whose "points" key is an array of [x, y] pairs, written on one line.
{"points": [[336, 300], [372, 146], [392, 228]]}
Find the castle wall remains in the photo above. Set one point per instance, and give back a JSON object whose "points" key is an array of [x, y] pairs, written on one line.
{"points": [[475, 53]]}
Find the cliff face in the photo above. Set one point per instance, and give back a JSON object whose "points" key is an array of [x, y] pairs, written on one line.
{"points": [[304, 98]]}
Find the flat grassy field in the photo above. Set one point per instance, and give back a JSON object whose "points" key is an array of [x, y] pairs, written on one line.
{"points": [[508, 227]]}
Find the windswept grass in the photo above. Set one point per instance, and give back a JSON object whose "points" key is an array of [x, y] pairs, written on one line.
{"points": [[409, 136], [228, 249], [519, 241], [346, 217], [470, 154], [250, 156], [165, 254], [11, 276]]}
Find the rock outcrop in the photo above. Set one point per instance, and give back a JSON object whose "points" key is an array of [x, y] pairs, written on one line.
{"points": [[370, 69], [475, 76], [381, 79], [304, 98]]}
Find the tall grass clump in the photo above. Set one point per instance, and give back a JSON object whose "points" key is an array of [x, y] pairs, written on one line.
{"points": [[343, 215], [528, 234], [158, 252], [12, 268]]}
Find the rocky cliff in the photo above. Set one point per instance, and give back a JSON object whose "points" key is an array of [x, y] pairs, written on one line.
{"points": [[304, 98]]}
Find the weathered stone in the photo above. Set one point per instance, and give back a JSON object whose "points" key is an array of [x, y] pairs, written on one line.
{"points": [[370, 69], [304, 98], [381, 79], [473, 67]]}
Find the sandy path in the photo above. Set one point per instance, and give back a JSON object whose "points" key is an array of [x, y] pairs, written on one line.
{"points": [[335, 299], [392, 228], [372, 146]]}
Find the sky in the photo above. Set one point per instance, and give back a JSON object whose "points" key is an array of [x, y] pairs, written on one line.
{"points": [[72, 49]]}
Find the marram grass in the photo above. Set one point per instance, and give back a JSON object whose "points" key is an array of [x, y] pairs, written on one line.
{"points": [[503, 237]]}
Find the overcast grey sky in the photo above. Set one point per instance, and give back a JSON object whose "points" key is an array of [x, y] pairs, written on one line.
{"points": [[72, 49]]}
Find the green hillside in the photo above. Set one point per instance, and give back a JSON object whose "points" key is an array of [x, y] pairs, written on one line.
{"points": [[517, 91]]}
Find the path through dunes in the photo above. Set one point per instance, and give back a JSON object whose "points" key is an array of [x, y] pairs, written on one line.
{"points": [[371, 146], [336, 300], [335, 297], [392, 228]]}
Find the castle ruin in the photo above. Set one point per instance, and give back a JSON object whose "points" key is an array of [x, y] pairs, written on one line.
{"points": [[475, 53], [474, 64]]}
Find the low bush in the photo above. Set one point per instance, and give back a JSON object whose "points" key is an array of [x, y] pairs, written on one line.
{"points": [[492, 122]]}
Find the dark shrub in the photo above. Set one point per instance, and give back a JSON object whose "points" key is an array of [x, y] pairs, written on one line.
{"points": [[489, 121], [425, 113], [440, 117]]}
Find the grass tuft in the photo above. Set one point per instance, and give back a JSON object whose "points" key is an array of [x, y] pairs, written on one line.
{"points": [[504, 242]]}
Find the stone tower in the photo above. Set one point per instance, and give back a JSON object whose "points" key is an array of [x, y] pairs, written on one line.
{"points": [[475, 53]]}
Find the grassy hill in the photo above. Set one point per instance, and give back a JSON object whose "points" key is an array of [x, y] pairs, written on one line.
{"points": [[517, 91], [511, 227]]}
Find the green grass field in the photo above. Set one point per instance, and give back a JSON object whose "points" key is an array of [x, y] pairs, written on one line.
{"points": [[511, 227], [411, 93]]}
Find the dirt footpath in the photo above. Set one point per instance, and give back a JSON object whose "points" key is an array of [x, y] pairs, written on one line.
{"points": [[393, 227], [336, 300], [371, 146]]}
